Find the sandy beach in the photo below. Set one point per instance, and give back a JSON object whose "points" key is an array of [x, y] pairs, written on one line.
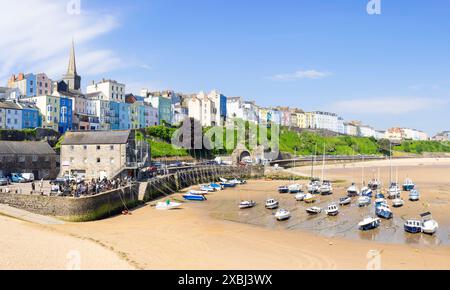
{"points": [[217, 235]]}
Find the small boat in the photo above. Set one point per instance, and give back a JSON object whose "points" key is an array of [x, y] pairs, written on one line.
{"points": [[314, 187], [314, 210], [398, 202], [216, 186], [194, 197], [198, 192], [168, 205], [369, 224], [283, 189], [326, 188], [364, 201], [295, 188], [345, 201], [408, 185], [383, 211], [247, 204], [352, 191], [223, 180], [380, 202], [367, 191], [300, 196], [414, 195], [228, 184], [237, 181], [429, 225], [282, 215], [332, 210], [413, 226], [272, 204], [207, 188], [309, 198], [374, 184], [394, 191], [379, 195]]}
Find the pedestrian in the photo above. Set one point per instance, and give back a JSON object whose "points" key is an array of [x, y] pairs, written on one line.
{"points": [[33, 186]]}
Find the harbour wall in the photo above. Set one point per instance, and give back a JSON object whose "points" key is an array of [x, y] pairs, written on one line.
{"points": [[113, 202]]}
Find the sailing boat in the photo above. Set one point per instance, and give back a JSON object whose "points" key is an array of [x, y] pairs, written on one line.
{"points": [[325, 188], [394, 191], [353, 191], [314, 185]]}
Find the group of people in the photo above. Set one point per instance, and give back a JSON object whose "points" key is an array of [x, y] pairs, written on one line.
{"points": [[86, 188]]}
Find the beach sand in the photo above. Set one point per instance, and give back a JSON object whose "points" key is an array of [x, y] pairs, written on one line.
{"points": [[217, 235]]}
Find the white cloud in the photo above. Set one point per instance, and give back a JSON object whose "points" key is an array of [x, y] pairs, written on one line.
{"points": [[36, 37], [387, 105], [303, 74]]}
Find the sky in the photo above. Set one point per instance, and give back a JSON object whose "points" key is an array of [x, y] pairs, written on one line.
{"points": [[391, 69]]}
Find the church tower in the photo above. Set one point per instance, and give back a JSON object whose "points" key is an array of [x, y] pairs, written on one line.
{"points": [[71, 78]]}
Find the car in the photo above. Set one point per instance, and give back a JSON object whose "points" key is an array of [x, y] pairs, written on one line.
{"points": [[3, 180], [17, 178], [29, 177]]}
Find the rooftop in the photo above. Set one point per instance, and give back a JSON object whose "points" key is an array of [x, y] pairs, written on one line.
{"points": [[96, 137], [25, 148]]}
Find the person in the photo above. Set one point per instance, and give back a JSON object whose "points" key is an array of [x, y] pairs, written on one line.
{"points": [[33, 186]]}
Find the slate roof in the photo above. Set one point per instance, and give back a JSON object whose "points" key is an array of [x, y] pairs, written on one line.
{"points": [[26, 148], [9, 105], [96, 137]]}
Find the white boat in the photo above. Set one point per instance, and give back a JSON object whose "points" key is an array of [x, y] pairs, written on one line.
{"points": [[414, 195], [369, 224], [394, 191], [332, 210], [295, 188], [300, 196], [326, 188], [314, 187], [374, 184], [168, 205], [247, 204], [398, 202], [198, 192], [314, 210], [309, 198], [237, 181], [282, 215], [223, 180], [207, 188], [429, 225], [364, 201], [272, 204], [366, 191], [353, 191], [345, 201]]}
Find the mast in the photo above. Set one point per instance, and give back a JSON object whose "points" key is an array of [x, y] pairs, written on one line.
{"points": [[323, 162]]}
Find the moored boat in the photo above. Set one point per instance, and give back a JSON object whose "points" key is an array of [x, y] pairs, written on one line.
{"points": [[345, 201], [367, 191], [228, 184], [413, 226], [314, 210], [247, 204], [194, 197], [314, 187], [394, 191], [429, 225], [398, 202], [295, 188], [414, 195], [207, 188], [300, 196], [282, 215], [283, 189], [326, 188], [216, 186], [168, 205], [272, 204], [352, 191], [374, 184], [364, 201], [309, 198], [332, 210], [198, 192], [408, 185], [369, 224], [383, 211]]}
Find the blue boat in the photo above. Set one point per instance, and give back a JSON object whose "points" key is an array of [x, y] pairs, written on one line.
{"points": [[283, 189], [216, 186], [367, 192], [408, 185], [228, 184], [383, 211], [413, 226], [194, 197], [414, 195], [379, 195], [369, 224]]}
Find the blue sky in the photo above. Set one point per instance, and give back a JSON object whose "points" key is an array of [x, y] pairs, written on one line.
{"points": [[387, 70]]}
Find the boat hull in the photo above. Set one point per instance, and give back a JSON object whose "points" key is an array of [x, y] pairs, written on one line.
{"points": [[371, 226], [194, 197], [408, 187], [412, 230]]}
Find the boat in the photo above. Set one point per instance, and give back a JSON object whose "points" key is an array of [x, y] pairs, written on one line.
{"points": [[408, 185], [194, 197], [283, 189], [367, 191], [314, 187], [379, 195], [314, 210], [198, 192], [237, 181], [383, 211], [272, 204], [369, 224], [207, 188], [413, 226], [345, 201], [247, 204], [228, 184], [309, 198], [295, 188], [394, 191], [398, 202], [414, 195], [216, 186], [374, 184], [352, 191], [326, 188], [429, 225], [300, 196], [168, 205], [332, 210], [282, 215], [364, 201], [223, 180], [380, 202]]}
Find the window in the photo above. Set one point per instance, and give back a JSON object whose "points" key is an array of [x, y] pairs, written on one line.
{"points": [[22, 159], [112, 160], [72, 160], [98, 160], [47, 158], [98, 147], [35, 158], [72, 147], [111, 147], [85, 147], [85, 160]]}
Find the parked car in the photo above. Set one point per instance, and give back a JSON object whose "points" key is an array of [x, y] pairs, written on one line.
{"points": [[3, 180], [29, 177], [17, 178]]}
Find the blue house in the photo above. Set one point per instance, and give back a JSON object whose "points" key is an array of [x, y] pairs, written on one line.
{"points": [[65, 115], [124, 116], [30, 116]]}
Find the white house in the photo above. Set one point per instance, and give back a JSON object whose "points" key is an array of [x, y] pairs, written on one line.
{"points": [[111, 90]]}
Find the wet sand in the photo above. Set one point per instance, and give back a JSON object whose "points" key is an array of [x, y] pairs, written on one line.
{"points": [[217, 235]]}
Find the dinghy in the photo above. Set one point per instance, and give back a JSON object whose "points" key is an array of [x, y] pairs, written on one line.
{"points": [[309, 198], [282, 215], [207, 188], [398, 202], [364, 201], [300, 196], [247, 204], [197, 192], [216, 186], [383, 211], [228, 184], [326, 188], [314, 210], [272, 204], [394, 191], [283, 189], [374, 184], [168, 205], [332, 210], [414, 195], [429, 225], [237, 181], [295, 188], [369, 224], [345, 201], [408, 185], [413, 226], [194, 197], [352, 191]]}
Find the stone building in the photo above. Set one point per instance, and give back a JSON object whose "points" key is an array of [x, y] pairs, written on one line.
{"points": [[28, 157], [100, 154]]}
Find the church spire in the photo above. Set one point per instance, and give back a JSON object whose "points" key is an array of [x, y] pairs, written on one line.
{"points": [[72, 68], [71, 78]]}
